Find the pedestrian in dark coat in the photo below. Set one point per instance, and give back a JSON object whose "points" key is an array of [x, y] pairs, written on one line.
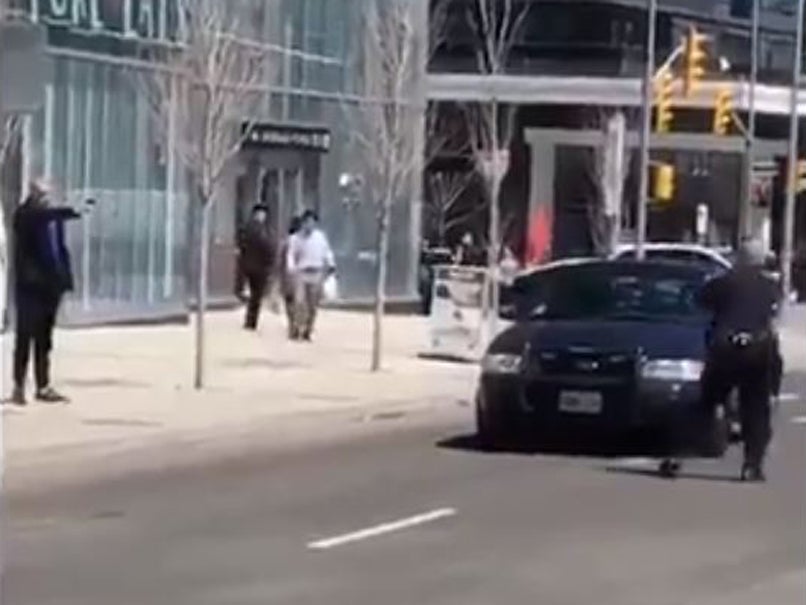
{"points": [[256, 258], [42, 275]]}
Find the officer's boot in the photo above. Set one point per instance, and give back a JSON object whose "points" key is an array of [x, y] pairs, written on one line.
{"points": [[753, 467], [670, 468]]}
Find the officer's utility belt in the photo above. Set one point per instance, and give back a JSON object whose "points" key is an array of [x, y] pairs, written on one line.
{"points": [[743, 339]]}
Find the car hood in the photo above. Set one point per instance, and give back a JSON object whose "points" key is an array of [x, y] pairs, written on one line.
{"points": [[659, 340]]}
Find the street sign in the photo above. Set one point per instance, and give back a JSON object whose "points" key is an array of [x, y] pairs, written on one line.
{"points": [[457, 323], [24, 68]]}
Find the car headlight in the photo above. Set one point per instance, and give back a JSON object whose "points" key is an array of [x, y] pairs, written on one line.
{"points": [[501, 363], [673, 370]]}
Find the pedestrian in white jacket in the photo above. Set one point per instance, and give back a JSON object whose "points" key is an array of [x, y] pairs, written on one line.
{"points": [[309, 261]]}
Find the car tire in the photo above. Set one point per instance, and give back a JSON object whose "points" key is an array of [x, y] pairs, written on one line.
{"points": [[492, 430]]}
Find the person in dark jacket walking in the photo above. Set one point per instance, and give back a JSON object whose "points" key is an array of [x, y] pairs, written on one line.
{"points": [[742, 350], [42, 274], [256, 259]]}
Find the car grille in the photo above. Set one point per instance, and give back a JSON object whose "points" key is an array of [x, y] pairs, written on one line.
{"points": [[613, 374], [583, 366]]}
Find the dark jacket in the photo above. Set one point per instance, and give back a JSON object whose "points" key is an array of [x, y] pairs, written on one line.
{"points": [[256, 249], [742, 300], [42, 264]]}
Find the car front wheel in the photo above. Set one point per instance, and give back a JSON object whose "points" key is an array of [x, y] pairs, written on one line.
{"points": [[493, 431]]}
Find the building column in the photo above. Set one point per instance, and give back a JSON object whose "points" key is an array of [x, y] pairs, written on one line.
{"points": [[540, 217]]}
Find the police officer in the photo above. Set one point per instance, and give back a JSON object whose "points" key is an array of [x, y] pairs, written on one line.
{"points": [[742, 350], [742, 353]]}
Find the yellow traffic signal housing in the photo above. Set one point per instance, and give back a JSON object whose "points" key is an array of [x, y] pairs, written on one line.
{"points": [[663, 183], [723, 112], [664, 90], [695, 60]]}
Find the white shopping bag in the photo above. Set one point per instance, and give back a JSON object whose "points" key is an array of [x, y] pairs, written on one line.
{"points": [[330, 289]]}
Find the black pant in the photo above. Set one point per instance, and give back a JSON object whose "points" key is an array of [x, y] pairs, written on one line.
{"points": [[750, 368], [36, 318], [258, 283], [777, 377]]}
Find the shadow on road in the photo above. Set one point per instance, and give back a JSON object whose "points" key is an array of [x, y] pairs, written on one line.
{"points": [[615, 456], [585, 447], [685, 475]]}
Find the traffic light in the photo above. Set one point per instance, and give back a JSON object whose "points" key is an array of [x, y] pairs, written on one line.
{"points": [[664, 89], [695, 60], [723, 112], [663, 182]]}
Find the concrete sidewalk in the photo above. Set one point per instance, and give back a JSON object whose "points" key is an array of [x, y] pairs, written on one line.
{"points": [[794, 337], [129, 385]]}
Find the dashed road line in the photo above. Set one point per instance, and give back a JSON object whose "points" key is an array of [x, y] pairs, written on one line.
{"points": [[382, 529]]}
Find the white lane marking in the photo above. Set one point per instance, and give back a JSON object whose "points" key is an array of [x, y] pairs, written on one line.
{"points": [[384, 528], [799, 420], [789, 397]]}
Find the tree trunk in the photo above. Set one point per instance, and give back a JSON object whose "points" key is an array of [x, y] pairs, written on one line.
{"points": [[382, 249], [202, 275], [495, 251]]}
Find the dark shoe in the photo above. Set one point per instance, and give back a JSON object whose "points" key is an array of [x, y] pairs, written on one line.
{"points": [[752, 473], [670, 468], [50, 395], [307, 337], [18, 397]]}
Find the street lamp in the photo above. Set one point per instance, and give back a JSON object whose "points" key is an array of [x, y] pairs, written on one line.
{"points": [[646, 129], [750, 140]]}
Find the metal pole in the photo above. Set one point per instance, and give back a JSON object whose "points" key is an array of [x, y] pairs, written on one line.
{"points": [[646, 128], [792, 180], [744, 214]]}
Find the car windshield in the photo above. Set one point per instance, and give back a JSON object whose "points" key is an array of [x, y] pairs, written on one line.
{"points": [[611, 291]]}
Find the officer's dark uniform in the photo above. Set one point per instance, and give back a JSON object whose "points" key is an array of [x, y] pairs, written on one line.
{"points": [[742, 353]]}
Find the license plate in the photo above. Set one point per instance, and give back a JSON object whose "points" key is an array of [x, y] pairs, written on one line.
{"points": [[581, 402]]}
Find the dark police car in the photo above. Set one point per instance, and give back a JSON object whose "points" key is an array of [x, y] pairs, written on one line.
{"points": [[611, 346]]}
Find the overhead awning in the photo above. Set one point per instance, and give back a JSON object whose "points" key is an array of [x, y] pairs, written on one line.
{"points": [[598, 91]]}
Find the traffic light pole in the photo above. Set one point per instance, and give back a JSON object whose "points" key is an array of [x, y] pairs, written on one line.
{"points": [[646, 130], [750, 135], [788, 243]]}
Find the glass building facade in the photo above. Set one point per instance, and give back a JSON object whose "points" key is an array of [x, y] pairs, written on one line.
{"points": [[95, 139]]}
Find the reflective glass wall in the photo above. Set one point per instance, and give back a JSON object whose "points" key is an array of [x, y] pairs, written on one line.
{"points": [[95, 141]]}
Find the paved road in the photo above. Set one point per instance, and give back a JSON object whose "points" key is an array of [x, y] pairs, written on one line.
{"points": [[411, 515]]}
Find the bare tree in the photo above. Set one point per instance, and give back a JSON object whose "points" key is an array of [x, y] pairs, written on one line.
{"points": [[202, 92], [387, 133], [444, 187], [445, 135], [609, 170], [491, 124], [10, 126], [444, 190]]}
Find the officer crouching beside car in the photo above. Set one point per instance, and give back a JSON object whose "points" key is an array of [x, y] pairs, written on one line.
{"points": [[742, 353]]}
